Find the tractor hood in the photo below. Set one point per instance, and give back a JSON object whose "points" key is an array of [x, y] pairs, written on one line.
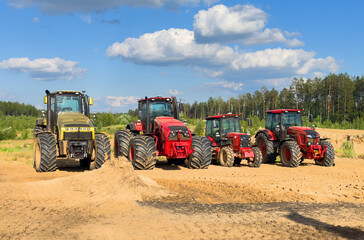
{"points": [[73, 119], [305, 130], [168, 122]]}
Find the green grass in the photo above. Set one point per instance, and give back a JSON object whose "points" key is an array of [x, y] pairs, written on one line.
{"points": [[346, 150]]}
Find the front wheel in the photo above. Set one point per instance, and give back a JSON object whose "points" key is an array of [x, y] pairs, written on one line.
{"points": [[142, 152], [102, 151], [226, 157], [121, 142], [257, 160], [329, 157], [45, 152], [290, 154], [202, 154]]}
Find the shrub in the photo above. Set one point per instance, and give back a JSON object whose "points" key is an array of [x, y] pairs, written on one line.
{"points": [[7, 133], [347, 150], [200, 127]]}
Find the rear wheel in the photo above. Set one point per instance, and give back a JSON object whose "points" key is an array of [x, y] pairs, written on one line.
{"points": [[290, 154], [329, 156], [266, 147], [102, 151], [142, 152], [226, 157], [45, 152], [36, 130], [257, 160], [121, 142], [202, 154]]}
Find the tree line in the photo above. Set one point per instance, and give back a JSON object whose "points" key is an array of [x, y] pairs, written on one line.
{"points": [[335, 98], [18, 109]]}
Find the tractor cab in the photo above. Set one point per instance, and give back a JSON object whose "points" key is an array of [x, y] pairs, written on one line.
{"points": [[67, 105], [217, 127], [278, 121], [225, 130], [152, 108]]}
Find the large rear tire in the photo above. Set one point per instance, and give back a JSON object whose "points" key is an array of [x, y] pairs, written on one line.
{"points": [[121, 142], [266, 147], [329, 156], [290, 154], [36, 130], [45, 153], [102, 151], [142, 152], [202, 154], [257, 160], [226, 156]]}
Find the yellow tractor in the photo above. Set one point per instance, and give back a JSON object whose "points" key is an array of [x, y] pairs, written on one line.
{"points": [[66, 131]]}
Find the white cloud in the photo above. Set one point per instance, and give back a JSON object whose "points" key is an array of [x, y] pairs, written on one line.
{"points": [[54, 7], [7, 96], [44, 69], [86, 18], [168, 47], [174, 92], [241, 23], [36, 20], [178, 47], [121, 102], [234, 86]]}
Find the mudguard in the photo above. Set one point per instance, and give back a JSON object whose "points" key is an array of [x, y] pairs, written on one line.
{"points": [[270, 135]]}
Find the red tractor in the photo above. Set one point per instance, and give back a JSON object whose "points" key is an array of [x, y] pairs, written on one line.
{"points": [[285, 135], [229, 144], [162, 135]]}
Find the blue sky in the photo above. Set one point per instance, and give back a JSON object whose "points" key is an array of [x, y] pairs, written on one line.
{"points": [[121, 50]]}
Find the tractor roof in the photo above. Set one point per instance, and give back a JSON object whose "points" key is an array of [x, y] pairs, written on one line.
{"points": [[67, 92], [229, 115], [159, 98], [283, 110]]}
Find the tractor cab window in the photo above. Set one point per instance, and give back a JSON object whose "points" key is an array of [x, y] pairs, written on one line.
{"points": [[209, 128], [292, 119], [230, 125], [215, 127], [159, 109], [276, 120], [268, 121], [68, 103]]}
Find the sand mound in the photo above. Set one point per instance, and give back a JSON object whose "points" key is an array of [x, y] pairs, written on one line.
{"points": [[114, 182]]}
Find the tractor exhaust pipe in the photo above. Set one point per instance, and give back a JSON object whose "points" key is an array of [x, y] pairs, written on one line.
{"points": [[49, 112], [147, 128]]}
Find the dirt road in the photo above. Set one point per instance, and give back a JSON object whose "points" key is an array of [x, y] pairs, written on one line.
{"points": [[173, 202]]}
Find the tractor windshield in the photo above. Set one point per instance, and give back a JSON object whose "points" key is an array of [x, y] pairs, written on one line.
{"points": [[68, 103], [159, 109], [292, 119], [230, 125]]}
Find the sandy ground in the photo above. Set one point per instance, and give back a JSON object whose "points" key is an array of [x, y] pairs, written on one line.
{"points": [[173, 202]]}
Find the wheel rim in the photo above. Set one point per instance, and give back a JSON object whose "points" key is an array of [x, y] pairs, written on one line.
{"points": [[223, 157], [37, 157], [286, 155], [131, 154], [116, 148], [262, 146]]}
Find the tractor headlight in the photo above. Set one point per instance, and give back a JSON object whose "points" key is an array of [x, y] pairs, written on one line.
{"points": [[186, 134], [172, 134]]}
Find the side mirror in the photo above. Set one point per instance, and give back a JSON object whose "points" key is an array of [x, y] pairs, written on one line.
{"points": [[278, 128], [311, 118], [91, 101], [181, 108], [94, 115], [249, 122], [43, 113], [45, 99], [217, 134]]}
